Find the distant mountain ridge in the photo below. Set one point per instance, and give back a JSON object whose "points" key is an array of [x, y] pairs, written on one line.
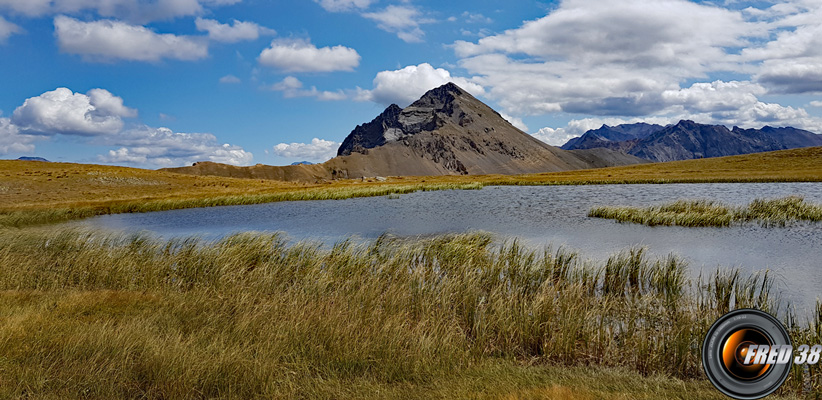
{"points": [[689, 140], [446, 132], [611, 136], [26, 158]]}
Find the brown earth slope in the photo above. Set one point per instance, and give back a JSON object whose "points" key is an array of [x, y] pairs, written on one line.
{"points": [[446, 132]]}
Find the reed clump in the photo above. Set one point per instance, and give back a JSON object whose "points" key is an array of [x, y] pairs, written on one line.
{"points": [[694, 213], [98, 315]]}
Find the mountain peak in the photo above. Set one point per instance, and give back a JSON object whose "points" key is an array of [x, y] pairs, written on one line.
{"points": [[445, 89], [429, 113], [439, 97]]}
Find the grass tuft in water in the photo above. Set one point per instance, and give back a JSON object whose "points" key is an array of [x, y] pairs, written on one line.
{"points": [[694, 213]]}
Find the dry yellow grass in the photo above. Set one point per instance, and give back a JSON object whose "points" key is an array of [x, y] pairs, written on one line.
{"points": [[93, 315], [78, 190]]}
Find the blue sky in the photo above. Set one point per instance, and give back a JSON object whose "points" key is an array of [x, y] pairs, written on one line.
{"points": [[156, 83]]}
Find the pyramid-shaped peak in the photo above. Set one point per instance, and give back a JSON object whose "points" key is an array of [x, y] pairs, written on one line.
{"points": [[446, 91], [448, 87]]}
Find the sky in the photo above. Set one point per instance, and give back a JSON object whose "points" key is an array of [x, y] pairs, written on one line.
{"points": [[165, 83]]}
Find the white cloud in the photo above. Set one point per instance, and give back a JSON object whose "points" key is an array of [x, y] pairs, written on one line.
{"points": [[318, 150], [7, 29], [405, 21], [62, 111], [404, 86], [734, 104], [112, 40], [231, 33], [230, 79], [476, 18], [816, 103], [12, 141], [302, 56], [632, 32], [605, 57], [554, 137], [135, 11], [344, 5], [793, 76], [162, 147], [717, 96], [292, 87]]}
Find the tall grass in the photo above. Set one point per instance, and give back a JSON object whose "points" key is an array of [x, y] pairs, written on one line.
{"points": [[88, 314], [769, 212]]}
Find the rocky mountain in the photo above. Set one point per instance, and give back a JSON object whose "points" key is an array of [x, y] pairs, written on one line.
{"points": [[25, 158], [611, 136], [688, 140], [446, 132]]}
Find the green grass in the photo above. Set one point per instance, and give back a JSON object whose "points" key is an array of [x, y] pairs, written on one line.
{"points": [[693, 213], [94, 315]]}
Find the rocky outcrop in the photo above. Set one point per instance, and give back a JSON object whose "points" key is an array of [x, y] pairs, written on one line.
{"points": [[372, 134]]}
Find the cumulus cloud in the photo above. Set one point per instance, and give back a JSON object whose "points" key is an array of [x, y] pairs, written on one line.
{"points": [[135, 11], [302, 56], [318, 150], [344, 5], [717, 96], [12, 141], [405, 21], [7, 29], [62, 111], [231, 33], [734, 104], [292, 87], [230, 79], [795, 76], [404, 86], [605, 57], [161, 147], [816, 103], [792, 62], [114, 40]]}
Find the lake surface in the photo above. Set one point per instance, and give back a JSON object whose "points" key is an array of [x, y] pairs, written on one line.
{"points": [[537, 216]]}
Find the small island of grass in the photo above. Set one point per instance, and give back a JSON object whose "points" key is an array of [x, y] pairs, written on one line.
{"points": [[692, 213]]}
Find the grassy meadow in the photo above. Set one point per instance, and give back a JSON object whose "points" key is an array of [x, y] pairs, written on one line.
{"points": [[94, 315], [693, 213], [100, 316]]}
